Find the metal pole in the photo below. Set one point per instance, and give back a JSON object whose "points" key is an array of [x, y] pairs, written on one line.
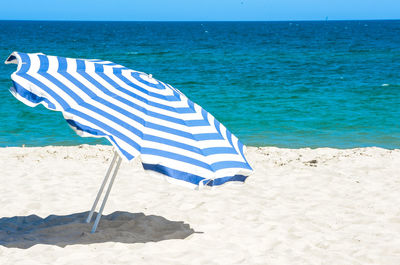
{"points": [[101, 188], [96, 222]]}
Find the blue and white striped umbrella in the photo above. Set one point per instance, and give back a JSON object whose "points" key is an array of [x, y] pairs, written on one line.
{"points": [[138, 114]]}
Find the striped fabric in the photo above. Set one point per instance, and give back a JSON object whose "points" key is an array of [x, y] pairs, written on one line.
{"points": [[138, 114]]}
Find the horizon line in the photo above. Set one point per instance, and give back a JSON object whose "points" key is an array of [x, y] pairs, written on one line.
{"points": [[293, 20]]}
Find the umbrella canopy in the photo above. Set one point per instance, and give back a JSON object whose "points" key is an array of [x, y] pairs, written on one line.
{"points": [[138, 114]]}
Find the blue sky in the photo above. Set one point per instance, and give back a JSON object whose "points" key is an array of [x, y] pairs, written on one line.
{"points": [[177, 10]]}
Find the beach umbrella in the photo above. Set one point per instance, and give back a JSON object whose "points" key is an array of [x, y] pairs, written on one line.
{"points": [[138, 114]]}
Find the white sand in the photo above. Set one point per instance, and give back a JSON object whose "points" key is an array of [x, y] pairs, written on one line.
{"points": [[342, 208]]}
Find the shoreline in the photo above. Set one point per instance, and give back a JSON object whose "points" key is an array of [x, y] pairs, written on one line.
{"points": [[247, 146]]}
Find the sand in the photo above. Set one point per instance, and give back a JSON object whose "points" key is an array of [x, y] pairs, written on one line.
{"points": [[302, 206]]}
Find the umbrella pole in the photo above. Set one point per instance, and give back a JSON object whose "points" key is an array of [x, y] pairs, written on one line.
{"points": [[101, 188], [96, 222]]}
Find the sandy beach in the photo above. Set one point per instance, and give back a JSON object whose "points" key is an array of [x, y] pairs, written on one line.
{"points": [[301, 206]]}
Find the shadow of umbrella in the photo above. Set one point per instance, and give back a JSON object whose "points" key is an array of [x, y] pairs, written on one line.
{"points": [[27, 231]]}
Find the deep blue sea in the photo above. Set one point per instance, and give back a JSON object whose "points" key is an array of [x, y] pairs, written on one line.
{"points": [[284, 84]]}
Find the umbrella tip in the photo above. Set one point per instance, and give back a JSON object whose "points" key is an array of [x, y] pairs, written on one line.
{"points": [[12, 59]]}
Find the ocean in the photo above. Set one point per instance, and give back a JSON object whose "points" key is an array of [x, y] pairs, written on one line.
{"points": [[286, 84]]}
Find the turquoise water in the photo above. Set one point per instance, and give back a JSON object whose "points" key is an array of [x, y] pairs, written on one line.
{"points": [[285, 84]]}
